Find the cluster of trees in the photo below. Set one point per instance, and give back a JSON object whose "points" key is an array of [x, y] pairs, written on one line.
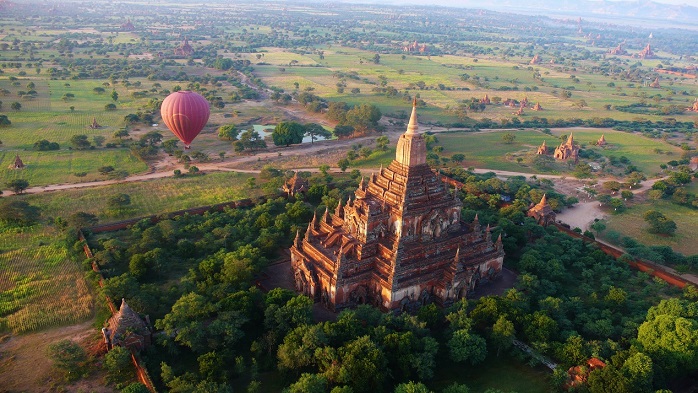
{"points": [[287, 133], [672, 188], [659, 223], [44, 145], [359, 119]]}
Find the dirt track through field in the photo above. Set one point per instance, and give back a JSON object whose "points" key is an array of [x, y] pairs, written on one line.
{"points": [[25, 366]]}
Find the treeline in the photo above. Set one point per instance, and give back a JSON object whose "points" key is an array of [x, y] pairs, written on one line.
{"points": [[652, 129]]}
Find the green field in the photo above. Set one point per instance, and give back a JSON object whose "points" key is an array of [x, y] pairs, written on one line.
{"points": [[40, 286], [630, 223], [148, 197], [488, 150]]}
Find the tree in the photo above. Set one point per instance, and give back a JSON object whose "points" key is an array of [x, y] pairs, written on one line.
{"points": [[361, 365], [508, 137], [152, 138], [465, 345], [110, 107], [4, 121], [18, 212], [16, 106], [105, 170], [503, 333], [131, 118], [170, 146], [343, 164], [250, 140], [228, 132], [458, 158], [135, 387], [119, 201], [308, 383], [98, 140], [80, 142], [382, 143], [412, 387], [343, 131], [70, 358], [598, 226], [117, 363], [18, 185], [121, 133], [114, 95], [82, 220], [456, 388], [671, 338], [376, 58], [99, 90], [363, 117], [287, 133], [612, 186], [314, 130], [659, 223]]}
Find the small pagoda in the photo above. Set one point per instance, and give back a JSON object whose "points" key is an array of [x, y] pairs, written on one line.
{"points": [[645, 53], [567, 150], [127, 329], [95, 125], [295, 185], [694, 108], [17, 164], [485, 100], [535, 60], [128, 26], [542, 149], [602, 141], [542, 212], [537, 107], [184, 49], [618, 50], [693, 165], [655, 84]]}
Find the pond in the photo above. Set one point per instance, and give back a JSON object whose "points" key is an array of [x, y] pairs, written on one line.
{"points": [[265, 132]]}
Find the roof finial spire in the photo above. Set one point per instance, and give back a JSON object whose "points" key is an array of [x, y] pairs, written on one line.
{"points": [[412, 127]]}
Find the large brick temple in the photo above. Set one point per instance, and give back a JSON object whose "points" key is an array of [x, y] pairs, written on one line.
{"points": [[398, 244]]}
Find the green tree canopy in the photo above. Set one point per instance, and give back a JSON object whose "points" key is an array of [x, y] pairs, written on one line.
{"points": [[229, 132], [287, 133]]}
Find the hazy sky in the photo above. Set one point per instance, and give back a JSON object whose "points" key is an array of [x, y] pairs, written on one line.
{"points": [[494, 2]]}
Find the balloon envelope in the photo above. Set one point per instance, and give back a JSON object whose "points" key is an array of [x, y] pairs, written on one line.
{"points": [[185, 113]]}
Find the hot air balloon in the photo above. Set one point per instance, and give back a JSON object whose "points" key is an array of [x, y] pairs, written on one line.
{"points": [[185, 113]]}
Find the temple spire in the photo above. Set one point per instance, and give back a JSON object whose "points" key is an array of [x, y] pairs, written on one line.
{"points": [[411, 147], [297, 240], [413, 127], [543, 201]]}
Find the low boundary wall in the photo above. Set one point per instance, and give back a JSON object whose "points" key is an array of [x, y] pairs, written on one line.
{"points": [[642, 265]]}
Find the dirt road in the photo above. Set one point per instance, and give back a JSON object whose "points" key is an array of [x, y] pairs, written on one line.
{"points": [[25, 366]]}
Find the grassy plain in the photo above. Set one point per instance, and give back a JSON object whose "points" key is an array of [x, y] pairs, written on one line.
{"points": [[148, 197], [39, 285], [630, 223], [444, 87], [488, 150]]}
